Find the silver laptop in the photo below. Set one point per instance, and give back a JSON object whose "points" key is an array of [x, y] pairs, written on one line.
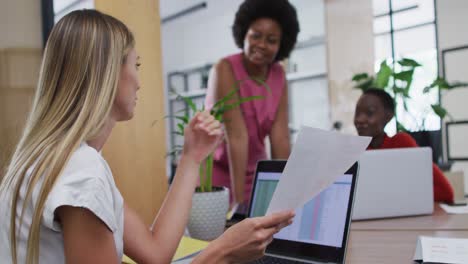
{"points": [[393, 183], [319, 232]]}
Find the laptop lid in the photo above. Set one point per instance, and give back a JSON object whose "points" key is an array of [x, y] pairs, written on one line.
{"points": [[394, 182], [319, 231]]}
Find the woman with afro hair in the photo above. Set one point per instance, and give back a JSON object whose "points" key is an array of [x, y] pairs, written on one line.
{"points": [[266, 32]]}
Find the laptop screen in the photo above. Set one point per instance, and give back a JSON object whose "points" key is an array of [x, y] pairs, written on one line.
{"points": [[319, 231], [320, 221]]}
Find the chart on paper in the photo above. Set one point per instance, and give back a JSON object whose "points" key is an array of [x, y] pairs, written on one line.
{"points": [[319, 221]]}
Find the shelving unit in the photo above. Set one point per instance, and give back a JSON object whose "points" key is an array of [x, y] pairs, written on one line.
{"points": [[191, 82]]}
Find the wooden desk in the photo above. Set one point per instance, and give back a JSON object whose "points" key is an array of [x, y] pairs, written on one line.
{"points": [[439, 220], [389, 247], [391, 241], [394, 240]]}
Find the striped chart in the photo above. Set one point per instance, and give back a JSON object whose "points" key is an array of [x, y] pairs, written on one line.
{"points": [[322, 219], [263, 194], [319, 221]]}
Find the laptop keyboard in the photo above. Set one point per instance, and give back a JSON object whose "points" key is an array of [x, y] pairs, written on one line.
{"points": [[273, 260]]}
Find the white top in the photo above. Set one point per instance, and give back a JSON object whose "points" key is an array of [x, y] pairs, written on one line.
{"points": [[86, 182]]}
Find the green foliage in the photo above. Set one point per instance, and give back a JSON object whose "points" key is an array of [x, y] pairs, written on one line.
{"points": [[399, 83], [221, 106], [383, 75], [439, 110], [442, 84]]}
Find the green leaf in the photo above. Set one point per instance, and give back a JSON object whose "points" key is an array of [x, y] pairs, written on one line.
{"points": [[187, 100], [360, 76], [181, 111], [439, 110], [184, 119], [262, 83], [201, 174], [405, 105], [383, 75], [406, 76], [442, 84], [401, 91], [181, 128], [190, 103], [454, 85], [405, 62], [209, 174], [241, 101], [226, 98], [401, 127], [365, 85], [427, 89], [181, 118]]}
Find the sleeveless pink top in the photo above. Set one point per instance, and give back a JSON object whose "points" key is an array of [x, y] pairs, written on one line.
{"points": [[258, 117]]}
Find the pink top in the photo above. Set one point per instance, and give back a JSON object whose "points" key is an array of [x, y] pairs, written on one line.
{"points": [[258, 117]]}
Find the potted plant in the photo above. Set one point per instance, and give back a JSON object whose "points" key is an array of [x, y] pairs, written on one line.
{"points": [[398, 83], [210, 203]]}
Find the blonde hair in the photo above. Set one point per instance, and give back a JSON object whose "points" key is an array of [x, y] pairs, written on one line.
{"points": [[75, 93]]}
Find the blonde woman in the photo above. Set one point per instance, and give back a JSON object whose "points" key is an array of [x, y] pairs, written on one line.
{"points": [[59, 195]]}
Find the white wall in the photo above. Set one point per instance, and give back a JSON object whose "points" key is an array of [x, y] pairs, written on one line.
{"points": [[20, 24], [200, 37], [350, 42], [452, 26]]}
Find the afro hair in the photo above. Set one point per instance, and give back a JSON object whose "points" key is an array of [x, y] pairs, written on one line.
{"points": [[280, 11], [387, 101]]}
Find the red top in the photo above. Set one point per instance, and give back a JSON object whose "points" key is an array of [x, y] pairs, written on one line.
{"points": [[443, 191]]}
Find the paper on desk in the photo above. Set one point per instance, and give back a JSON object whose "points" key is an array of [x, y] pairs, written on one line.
{"points": [[441, 250], [318, 158], [188, 247], [455, 209]]}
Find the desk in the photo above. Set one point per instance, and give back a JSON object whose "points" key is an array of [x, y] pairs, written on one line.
{"points": [[439, 220], [394, 240], [389, 246], [390, 241]]}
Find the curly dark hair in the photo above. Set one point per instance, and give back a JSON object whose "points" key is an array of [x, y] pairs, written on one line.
{"points": [[387, 101], [280, 11]]}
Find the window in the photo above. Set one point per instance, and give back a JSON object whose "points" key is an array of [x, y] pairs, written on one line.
{"points": [[407, 28]]}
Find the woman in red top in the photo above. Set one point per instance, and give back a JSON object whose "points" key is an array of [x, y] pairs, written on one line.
{"points": [[374, 110]]}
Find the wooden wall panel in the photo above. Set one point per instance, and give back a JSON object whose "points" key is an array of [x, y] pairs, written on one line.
{"points": [[19, 68], [136, 149]]}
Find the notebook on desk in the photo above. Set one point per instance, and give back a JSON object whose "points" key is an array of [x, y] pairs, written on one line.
{"points": [[319, 232], [393, 183]]}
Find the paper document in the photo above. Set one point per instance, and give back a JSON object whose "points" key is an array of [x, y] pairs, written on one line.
{"points": [[188, 247], [450, 209], [318, 158], [441, 250]]}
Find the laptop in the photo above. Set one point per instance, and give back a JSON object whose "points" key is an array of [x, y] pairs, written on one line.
{"points": [[394, 183], [319, 232]]}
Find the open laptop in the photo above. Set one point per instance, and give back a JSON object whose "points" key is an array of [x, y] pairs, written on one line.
{"points": [[319, 232], [393, 183]]}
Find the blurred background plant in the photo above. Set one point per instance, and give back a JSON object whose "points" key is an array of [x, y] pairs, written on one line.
{"points": [[397, 81]]}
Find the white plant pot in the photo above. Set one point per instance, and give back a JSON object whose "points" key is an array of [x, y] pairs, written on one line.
{"points": [[208, 215]]}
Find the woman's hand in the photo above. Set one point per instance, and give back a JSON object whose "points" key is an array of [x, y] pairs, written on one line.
{"points": [[248, 239], [202, 135]]}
